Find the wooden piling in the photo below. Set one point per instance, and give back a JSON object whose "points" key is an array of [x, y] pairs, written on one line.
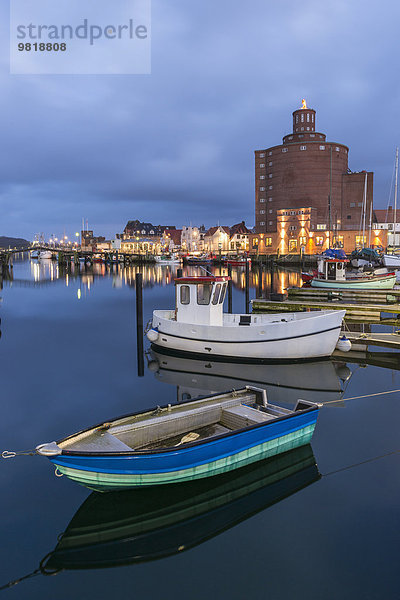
{"points": [[139, 324], [247, 288]]}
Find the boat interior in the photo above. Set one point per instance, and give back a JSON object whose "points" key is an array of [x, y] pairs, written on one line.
{"points": [[180, 424]]}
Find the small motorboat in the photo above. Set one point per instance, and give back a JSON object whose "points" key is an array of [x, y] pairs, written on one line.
{"points": [[191, 440], [168, 259], [332, 275], [45, 254], [199, 327], [238, 262]]}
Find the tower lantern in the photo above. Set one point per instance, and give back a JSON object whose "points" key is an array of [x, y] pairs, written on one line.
{"points": [[303, 118]]}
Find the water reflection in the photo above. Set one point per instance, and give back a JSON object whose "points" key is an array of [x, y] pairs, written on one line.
{"points": [[262, 279], [318, 381], [120, 528]]}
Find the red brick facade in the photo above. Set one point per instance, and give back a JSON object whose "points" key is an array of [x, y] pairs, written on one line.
{"points": [[306, 170]]}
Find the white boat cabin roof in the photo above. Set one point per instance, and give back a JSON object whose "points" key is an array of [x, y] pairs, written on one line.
{"points": [[200, 300], [332, 268]]}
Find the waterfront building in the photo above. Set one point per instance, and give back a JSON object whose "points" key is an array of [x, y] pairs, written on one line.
{"points": [[239, 237], [171, 240], [142, 245], [217, 239], [140, 229], [193, 238], [307, 170]]}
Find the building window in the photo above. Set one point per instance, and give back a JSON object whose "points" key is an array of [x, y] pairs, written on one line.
{"points": [[312, 118], [284, 149], [262, 199], [262, 165], [270, 164], [290, 137], [297, 118], [269, 153], [302, 129], [270, 211], [321, 226], [352, 204], [361, 240], [308, 117], [270, 222], [269, 199], [337, 149], [262, 189], [321, 136], [270, 176], [292, 212], [338, 241], [312, 134], [303, 147], [360, 204], [262, 222], [322, 147], [308, 129], [292, 227], [292, 245], [261, 155], [270, 187], [302, 240], [349, 216], [319, 240], [268, 242], [255, 241], [262, 176], [302, 117], [262, 212]]}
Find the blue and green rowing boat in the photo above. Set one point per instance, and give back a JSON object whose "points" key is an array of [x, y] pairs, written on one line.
{"points": [[191, 440]]}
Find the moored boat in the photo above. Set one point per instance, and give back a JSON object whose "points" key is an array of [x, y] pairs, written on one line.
{"points": [[331, 274], [168, 259], [45, 254], [192, 440], [199, 327]]}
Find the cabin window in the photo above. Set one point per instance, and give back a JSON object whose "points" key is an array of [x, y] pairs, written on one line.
{"points": [[203, 293], [223, 291], [216, 293], [185, 294]]}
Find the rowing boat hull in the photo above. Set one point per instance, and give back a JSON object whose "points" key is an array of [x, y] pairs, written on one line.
{"points": [[376, 283], [193, 461]]}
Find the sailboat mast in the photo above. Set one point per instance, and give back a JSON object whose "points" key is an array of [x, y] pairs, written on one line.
{"points": [[395, 197]]}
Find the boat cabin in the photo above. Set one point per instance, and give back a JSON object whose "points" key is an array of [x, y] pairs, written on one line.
{"points": [[200, 300], [333, 269]]}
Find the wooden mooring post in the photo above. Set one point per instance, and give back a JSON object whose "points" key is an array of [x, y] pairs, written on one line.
{"points": [[247, 288], [230, 289], [139, 324]]}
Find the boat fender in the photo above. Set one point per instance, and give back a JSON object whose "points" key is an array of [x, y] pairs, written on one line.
{"points": [[153, 366], [343, 344], [152, 335]]}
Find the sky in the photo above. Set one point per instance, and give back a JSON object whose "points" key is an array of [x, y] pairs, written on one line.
{"points": [[177, 146]]}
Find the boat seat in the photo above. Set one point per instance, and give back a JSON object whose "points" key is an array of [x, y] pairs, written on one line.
{"points": [[102, 441], [238, 417]]}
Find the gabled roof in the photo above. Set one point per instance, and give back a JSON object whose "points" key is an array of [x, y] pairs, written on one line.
{"points": [[175, 235], [213, 230], [386, 215], [239, 228]]}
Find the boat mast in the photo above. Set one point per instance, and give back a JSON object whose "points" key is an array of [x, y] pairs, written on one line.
{"points": [[395, 196]]}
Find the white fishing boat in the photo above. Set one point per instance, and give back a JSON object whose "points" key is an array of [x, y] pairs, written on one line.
{"points": [[45, 254], [198, 326]]}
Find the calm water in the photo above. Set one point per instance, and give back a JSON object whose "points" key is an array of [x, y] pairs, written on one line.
{"points": [[69, 360]]}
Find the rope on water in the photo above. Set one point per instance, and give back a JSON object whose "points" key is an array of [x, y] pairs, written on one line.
{"points": [[12, 454], [363, 462], [364, 396]]}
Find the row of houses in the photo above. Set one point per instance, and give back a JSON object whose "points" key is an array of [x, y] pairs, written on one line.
{"points": [[144, 238]]}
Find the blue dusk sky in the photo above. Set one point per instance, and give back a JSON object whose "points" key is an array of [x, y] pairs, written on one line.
{"points": [[177, 146]]}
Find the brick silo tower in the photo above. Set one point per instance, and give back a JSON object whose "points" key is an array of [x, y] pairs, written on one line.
{"points": [[306, 170]]}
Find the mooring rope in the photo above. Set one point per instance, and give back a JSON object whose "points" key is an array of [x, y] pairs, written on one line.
{"points": [[363, 462], [364, 396]]}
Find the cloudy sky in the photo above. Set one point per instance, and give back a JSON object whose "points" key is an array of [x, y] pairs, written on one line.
{"points": [[176, 146]]}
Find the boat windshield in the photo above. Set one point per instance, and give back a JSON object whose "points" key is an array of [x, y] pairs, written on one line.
{"points": [[203, 293], [216, 293]]}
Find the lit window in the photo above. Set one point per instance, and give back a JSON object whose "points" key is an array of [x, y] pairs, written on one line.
{"points": [[270, 187], [284, 149], [292, 227], [337, 148], [322, 147], [262, 165], [308, 117], [262, 176], [292, 212], [262, 199], [268, 241], [319, 241], [262, 212], [303, 147], [321, 226], [308, 129], [302, 117]]}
